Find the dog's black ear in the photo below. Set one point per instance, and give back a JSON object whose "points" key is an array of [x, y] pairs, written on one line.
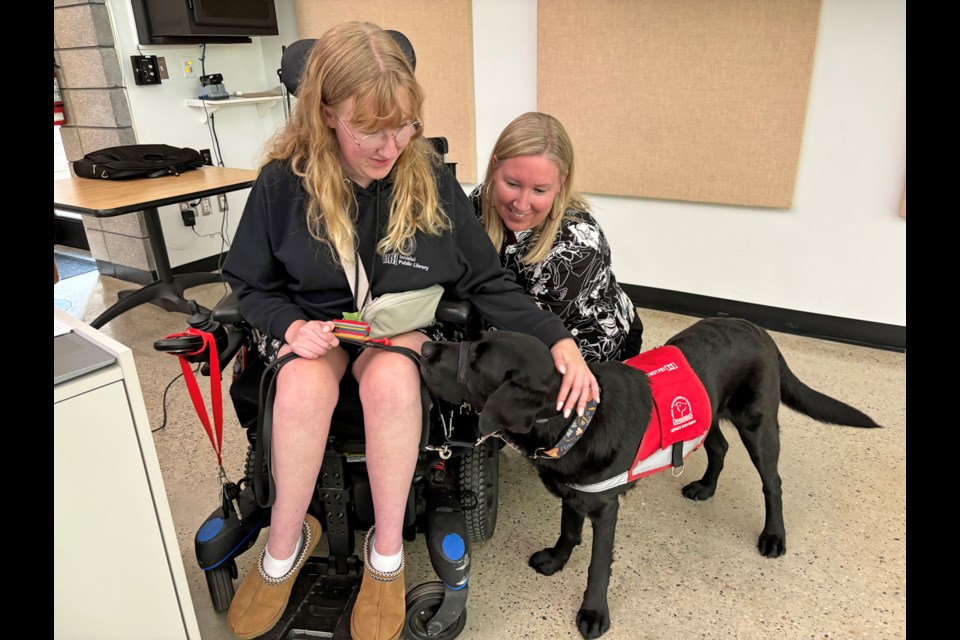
{"points": [[512, 407]]}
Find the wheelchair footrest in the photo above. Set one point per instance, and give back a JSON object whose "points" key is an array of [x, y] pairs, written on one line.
{"points": [[320, 604]]}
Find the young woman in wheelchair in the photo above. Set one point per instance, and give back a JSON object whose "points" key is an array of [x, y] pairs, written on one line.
{"points": [[351, 175]]}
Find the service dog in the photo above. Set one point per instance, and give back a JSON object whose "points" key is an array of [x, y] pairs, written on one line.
{"points": [[743, 378]]}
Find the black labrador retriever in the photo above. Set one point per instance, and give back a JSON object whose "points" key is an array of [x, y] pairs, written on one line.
{"points": [[511, 379]]}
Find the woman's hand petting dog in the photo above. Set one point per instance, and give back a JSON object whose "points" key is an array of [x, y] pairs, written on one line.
{"points": [[579, 385]]}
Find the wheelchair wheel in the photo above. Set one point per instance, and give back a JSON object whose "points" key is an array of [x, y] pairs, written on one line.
{"points": [[423, 601], [480, 475], [220, 583]]}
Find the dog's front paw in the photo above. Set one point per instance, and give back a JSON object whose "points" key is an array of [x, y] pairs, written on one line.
{"points": [[546, 563], [593, 623], [772, 545], [698, 491]]}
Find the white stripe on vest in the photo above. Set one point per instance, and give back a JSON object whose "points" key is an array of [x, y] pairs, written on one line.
{"points": [[659, 461]]}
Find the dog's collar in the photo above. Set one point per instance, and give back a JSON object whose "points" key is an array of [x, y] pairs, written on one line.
{"points": [[574, 432], [577, 428], [462, 362]]}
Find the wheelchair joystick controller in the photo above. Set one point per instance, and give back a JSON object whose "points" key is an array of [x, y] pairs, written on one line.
{"points": [[189, 345], [203, 321]]}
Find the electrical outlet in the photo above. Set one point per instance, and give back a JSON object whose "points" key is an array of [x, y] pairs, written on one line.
{"points": [[189, 217], [222, 203], [189, 68], [207, 207], [207, 158]]}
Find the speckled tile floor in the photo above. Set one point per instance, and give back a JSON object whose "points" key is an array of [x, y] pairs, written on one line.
{"points": [[681, 569]]}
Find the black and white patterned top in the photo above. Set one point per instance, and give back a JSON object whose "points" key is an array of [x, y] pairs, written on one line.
{"points": [[576, 282]]}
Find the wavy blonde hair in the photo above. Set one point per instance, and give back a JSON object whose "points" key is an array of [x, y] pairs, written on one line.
{"points": [[359, 60], [533, 134]]}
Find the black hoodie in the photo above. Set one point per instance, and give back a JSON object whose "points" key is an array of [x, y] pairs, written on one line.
{"points": [[281, 274]]}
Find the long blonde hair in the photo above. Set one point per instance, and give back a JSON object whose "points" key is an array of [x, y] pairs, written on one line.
{"points": [[361, 61], [533, 134]]}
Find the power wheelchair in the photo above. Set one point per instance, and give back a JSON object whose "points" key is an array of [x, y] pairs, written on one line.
{"points": [[453, 498]]}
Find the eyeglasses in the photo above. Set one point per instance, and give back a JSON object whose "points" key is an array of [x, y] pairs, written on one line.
{"points": [[374, 141]]}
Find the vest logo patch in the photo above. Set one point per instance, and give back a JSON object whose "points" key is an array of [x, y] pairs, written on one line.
{"points": [[681, 411]]}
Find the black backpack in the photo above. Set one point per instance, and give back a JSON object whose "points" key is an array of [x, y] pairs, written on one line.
{"points": [[137, 161]]}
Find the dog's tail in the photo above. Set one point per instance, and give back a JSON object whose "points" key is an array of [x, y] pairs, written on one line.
{"points": [[799, 397]]}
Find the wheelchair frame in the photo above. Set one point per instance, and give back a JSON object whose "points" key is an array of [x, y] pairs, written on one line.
{"points": [[453, 497]]}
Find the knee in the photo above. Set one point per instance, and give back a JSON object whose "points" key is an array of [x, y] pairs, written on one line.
{"points": [[393, 388], [306, 385], [390, 375]]}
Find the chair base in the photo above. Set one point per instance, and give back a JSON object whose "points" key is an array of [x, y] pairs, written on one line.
{"points": [[320, 604]]}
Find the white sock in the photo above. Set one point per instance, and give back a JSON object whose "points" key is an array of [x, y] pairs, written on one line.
{"points": [[277, 568], [386, 564]]}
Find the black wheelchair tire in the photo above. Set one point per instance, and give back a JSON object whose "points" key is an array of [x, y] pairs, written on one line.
{"points": [[220, 583], [423, 601], [479, 473]]}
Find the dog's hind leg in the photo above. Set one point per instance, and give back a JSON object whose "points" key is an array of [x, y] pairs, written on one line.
{"points": [[593, 619], [549, 561], [760, 433], [716, 446]]}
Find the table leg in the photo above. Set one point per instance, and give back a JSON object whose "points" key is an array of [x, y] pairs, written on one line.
{"points": [[167, 290]]}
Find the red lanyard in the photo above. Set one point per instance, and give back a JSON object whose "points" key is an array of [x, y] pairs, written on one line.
{"points": [[215, 433]]}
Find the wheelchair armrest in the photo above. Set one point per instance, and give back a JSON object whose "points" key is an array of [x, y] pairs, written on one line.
{"points": [[453, 310], [227, 310], [227, 313], [235, 339]]}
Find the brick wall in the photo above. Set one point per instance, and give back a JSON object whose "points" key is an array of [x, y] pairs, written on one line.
{"points": [[97, 116]]}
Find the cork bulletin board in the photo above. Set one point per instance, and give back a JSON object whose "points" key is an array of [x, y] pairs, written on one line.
{"points": [[442, 37], [698, 100]]}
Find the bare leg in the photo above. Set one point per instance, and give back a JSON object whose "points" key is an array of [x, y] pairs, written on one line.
{"points": [[392, 416], [307, 392]]}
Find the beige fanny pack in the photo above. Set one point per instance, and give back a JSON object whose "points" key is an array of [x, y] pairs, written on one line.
{"points": [[392, 313]]}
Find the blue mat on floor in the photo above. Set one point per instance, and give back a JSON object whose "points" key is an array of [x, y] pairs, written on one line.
{"points": [[69, 266]]}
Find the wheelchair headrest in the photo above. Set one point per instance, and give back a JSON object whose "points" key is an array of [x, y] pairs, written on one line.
{"points": [[295, 55]]}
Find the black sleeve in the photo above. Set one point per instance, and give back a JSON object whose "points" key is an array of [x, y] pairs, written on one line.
{"points": [[492, 289], [252, 269]]}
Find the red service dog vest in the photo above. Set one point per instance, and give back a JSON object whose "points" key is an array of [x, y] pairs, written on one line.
{"points": [[681, 416]]}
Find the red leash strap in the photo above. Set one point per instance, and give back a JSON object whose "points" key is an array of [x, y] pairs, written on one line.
{"points": [[215, 433]]}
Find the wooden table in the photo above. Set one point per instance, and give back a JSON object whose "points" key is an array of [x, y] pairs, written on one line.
{"points": [[107, 198]]}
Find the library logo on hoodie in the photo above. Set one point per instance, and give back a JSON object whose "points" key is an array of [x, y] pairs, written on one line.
{"points": [[401, 260]]}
